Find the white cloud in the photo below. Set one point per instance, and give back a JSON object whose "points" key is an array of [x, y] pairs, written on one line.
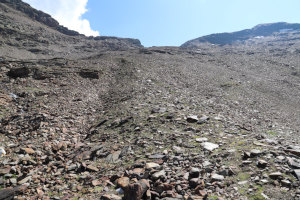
{"points": [[67, 12]]}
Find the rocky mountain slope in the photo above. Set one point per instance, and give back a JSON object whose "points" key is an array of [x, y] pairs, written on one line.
{"points": [[105, 118], [28, 33], [259, 32]]}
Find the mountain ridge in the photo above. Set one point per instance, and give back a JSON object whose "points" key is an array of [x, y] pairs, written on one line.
{"points": [[37, 34], [261, 30], [39, 16]]}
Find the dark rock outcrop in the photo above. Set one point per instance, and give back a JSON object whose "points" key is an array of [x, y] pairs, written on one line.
{"points": [[130, 41], [9, 193], [91, 74], [20, 72]]}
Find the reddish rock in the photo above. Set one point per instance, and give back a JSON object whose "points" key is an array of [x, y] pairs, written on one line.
{"points": [[79, 187], [5, 170], [167, 186], [138, 171], [64, 130], [40, 192], [60, 146], [96, 182], [28, 150], [203, 193], [92, 168], [123, 182], [137, 190], [86, 155]]}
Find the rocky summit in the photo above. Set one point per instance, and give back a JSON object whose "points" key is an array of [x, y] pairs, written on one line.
{"points": [[105, 118]]}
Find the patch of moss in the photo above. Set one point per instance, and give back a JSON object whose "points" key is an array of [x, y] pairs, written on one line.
{"points": [[257, 197], [32, 89], [258, 194], [241, 143], [272, 133], [98, 189], [243, 176], [213, 197]]}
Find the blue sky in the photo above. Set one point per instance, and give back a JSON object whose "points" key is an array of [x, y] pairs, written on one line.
{"points": [[173, 22]]}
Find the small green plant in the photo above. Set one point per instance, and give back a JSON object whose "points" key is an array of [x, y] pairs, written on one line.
{"points": [[258, 193], [257, 197], [98, 189], [213, 197], [272, 133], [243, 176], [31, 89]]}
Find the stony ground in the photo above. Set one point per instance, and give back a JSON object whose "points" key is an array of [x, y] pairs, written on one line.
{"points": [[148, 123], [104, 118]]}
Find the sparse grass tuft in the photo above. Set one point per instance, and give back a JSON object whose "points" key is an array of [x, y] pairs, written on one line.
{"points": [[243, 176], [272, 133]]}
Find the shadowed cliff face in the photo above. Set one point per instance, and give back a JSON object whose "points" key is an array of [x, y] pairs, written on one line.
{"points": [[90, 118], [280, 29]]}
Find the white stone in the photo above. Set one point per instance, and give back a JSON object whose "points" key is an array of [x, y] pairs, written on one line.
{"points": [[209, 146], [159, 174], [201, 139], [2, 152], [152, 165], [217, 177]]}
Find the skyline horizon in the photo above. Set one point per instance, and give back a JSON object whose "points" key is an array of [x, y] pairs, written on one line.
{"points": [[167, 23]]}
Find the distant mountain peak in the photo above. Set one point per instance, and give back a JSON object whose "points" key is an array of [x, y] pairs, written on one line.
{"points": [[261, 30]]}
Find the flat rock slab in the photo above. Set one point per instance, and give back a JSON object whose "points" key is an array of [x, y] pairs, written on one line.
{"points": [[294, 163], [201, 139], [297, 173], [209, 146], [262, 163], [114, 157], [9, 193], [28, 150], [276, 175], [123, 182], [5, 170], [25, 180], [217, 177], [110, 197], [159, 174], [255, 152], [192, 118], [92, 168], [152, 165], [293, 151], [203, 119]]}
